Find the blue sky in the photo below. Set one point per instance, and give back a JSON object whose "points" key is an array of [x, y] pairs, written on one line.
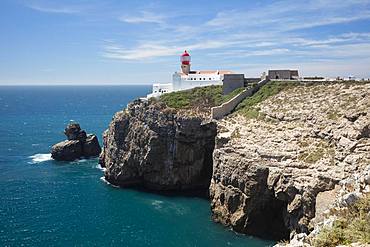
{"points": [[116, 42]]}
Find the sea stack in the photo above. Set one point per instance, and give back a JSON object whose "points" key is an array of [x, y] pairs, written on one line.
{"points": [[78, 145]]}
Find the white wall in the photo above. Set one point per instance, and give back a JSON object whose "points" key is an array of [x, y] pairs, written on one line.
{"points": [[195, 80]]}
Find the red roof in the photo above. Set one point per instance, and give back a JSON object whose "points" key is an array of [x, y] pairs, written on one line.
{"points": [[185, 54]]}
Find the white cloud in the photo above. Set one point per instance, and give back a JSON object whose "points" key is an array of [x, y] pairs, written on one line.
{"points": [[56, 10], [141, 52], [277, 31], [144, 17], [292, 15]]}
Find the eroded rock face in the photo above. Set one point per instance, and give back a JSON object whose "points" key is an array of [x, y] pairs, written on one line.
{"points": [[268, 172], [91, 146], [78, 145], [67, 150], [151, 146]]}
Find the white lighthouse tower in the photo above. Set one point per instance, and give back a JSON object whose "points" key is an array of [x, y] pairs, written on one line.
{"points": [[185, 63], [187, 79]]}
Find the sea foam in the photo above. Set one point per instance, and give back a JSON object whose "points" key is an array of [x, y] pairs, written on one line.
{"points": [[105, 181], [38, 158], [98, 166]]}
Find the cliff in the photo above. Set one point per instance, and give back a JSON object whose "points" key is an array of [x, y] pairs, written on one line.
{"points": [[165, 144], [279, 159], [274, 168], [152, 146]]}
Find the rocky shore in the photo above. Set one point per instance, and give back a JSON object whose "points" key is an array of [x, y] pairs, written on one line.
{"points": [[78, 145], [275, 173]]}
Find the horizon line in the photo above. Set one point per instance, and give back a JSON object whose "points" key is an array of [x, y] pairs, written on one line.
{"points": [[75, 84]]}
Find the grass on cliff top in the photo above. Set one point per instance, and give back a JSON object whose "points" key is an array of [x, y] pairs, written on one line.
{"points": [[248, 108], [352, 227], [199, 97]]}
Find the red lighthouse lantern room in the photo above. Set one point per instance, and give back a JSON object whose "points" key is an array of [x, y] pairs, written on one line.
{"points": [[185, 58]]}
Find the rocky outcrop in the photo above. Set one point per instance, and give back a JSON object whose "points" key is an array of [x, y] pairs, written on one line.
{"points": [[67, 150], [269, 173], [337, 202], [78, 145], [151, 146]]}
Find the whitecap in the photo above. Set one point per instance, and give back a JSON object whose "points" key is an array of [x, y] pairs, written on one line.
{"points": [[38, 158], [98, 166], [158, 204], [105, 181]]}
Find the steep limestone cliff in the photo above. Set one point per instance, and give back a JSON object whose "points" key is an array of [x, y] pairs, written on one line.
{"points": [[274, 168], [270, 168], [158, 148]]}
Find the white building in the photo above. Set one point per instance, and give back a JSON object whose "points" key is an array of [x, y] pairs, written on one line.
{"points": [[187, 79]]}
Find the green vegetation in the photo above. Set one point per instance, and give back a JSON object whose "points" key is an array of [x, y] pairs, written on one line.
{"points": [[303, 143], [333, 115], [200, 97], [352, 227], [321, 150], [235, 134], [248, 106], [312, 157]]}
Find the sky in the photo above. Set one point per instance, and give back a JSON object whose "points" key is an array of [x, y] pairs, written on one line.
{"points": [[132, 42]]}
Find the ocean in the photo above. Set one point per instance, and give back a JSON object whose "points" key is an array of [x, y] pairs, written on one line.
{"points": [[49, 203]]}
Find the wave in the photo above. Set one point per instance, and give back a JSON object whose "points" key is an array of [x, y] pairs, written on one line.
{"points": [[158, 204], [38, 158], [98, 166], [105, 181], [78, 161]]}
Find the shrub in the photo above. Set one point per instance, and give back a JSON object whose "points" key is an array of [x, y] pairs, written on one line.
{"points": [[247, 106], [352, 227], [200, 97]]}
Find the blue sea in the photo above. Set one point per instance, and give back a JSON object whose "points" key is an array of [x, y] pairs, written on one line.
{"points": [[49, 203]]}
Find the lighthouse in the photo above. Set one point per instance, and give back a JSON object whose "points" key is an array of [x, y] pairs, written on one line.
{"points": [[186, 79], [185, 63]]}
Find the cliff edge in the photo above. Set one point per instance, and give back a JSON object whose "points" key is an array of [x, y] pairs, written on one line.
{"points": [[155, 147], [279, 160]]}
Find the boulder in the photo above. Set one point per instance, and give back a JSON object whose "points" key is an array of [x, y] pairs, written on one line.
{"points": [[77, 145], [67, 150], [72, 131]]}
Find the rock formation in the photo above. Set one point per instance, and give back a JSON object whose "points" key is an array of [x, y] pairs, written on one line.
{"points": [[337, 201], [272, 176], [78, 144], [151, 146], [269, 171]]}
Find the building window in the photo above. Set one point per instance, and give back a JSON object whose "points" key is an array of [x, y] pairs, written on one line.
{"points": [[210, 79]]}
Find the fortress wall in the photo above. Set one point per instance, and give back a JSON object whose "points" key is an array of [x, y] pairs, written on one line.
{"points": [[226, 108]]}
